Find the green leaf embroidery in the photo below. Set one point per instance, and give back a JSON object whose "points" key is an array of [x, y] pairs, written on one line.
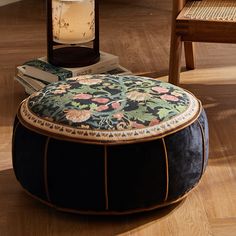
{"points": [[163, 112]]}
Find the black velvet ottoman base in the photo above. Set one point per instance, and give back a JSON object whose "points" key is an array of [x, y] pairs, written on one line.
{"points": [[115, 174]]}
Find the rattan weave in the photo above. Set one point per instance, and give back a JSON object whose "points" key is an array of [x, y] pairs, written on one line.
{"points": [[216, 10]]}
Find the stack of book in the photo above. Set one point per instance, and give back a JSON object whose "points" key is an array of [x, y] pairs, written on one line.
{"points": [[35, 74]]}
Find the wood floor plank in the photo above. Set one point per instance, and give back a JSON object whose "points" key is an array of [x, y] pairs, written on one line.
{"points": [[189, 219], [224, 227]]}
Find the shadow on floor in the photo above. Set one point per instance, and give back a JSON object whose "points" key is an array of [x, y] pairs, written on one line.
{"points": [[219, 103], [22, 215]]}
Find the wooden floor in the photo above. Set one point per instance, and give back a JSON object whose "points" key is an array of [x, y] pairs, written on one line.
{"points": [[140, 37]]}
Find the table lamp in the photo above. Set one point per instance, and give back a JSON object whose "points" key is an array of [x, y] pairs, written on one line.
{"points": [[72, 32]]}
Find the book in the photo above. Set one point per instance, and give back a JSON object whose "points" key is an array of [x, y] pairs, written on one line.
{"points": [[32, 84], [44, 71], [28, 88]]}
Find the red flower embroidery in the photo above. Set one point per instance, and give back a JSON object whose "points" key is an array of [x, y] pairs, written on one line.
{"points": [[118, 116], [160, 89], [137, 125], [102, 108], [154, 122], [115, 105], [100, 100]]}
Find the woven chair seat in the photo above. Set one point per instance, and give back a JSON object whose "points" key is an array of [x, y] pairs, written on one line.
{"points": [[210, 10], [209, 21]]}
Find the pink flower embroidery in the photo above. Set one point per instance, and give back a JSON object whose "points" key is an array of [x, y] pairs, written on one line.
{"points": [[115, 105], [137, 125], [154, 122], [118, 116], [100, 100], [102, 108], [160, 89], [84, 96], [169, 98], [77, 115]]}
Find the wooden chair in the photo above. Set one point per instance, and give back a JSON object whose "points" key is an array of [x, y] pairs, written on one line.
{"points": [[199, 21]]}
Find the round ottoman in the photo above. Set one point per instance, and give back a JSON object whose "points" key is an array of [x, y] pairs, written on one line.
{"points": [[105, 144]]}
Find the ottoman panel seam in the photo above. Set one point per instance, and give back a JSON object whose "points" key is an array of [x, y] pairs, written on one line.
{"points": [[203, 147], [13, 147], [46, 169], [167, 169]]}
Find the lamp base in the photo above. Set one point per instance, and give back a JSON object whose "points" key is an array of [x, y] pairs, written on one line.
{"points": [[73, 57]]}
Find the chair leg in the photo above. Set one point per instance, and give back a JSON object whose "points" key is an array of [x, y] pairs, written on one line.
{"points": [[175, 59], [189, 55]]}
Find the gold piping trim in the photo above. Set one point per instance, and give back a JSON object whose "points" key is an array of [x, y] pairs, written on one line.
{"points": [[113, 143], [13, 143], [46, 169], [167, 169], [203, 147], [14, 135], [105, 175], [112, 212]]}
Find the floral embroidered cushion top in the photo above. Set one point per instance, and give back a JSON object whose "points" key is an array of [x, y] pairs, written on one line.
{"points": [[109, 108]]}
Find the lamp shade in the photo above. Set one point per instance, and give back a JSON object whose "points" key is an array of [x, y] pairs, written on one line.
{"points": [[73, 32], [73, 21]]}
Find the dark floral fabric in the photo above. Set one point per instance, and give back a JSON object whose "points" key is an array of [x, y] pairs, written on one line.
{"points": [[108, 102]]}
